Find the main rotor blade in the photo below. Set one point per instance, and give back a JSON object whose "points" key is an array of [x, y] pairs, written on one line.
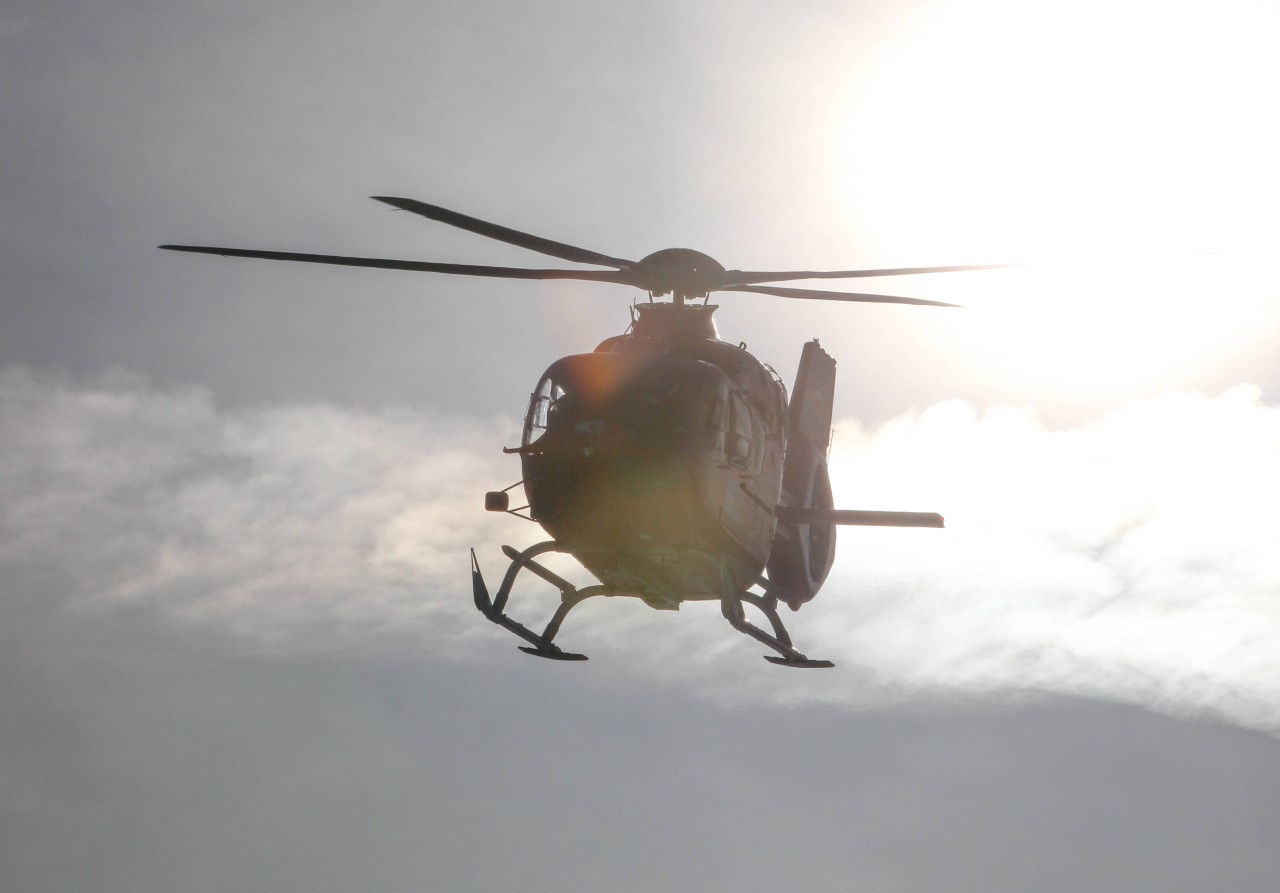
{"points": [[505, 234], [816, 295], [748, 277], [620, 276]]}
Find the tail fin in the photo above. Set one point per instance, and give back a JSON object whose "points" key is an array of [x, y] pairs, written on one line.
{"points": [[802, 554]]}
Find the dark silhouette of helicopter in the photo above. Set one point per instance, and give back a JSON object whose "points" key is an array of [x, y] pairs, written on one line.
{"points": [[669, 463]]}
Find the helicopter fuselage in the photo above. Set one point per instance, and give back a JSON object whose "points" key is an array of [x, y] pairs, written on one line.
{"points": [[658, 455]]}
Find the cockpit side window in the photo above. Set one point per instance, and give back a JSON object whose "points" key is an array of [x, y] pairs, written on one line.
{"points": [[540, 402]]}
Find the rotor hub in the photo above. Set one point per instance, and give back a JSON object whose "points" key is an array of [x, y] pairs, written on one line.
{"points": [[680, 272]]}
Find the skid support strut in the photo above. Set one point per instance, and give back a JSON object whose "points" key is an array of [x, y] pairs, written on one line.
{"points": [[492, 608], [731, 602]]}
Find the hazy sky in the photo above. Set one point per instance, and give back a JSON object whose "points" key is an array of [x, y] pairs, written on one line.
{"points": [[237, 651]]}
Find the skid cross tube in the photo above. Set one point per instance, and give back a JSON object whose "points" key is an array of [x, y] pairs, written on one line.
{"points": [[492, 608]]}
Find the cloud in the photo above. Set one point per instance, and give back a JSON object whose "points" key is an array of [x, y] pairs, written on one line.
{"points": [[289, 526], [1131, 559]]}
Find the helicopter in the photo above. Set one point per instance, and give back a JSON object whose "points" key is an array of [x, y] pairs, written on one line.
{"points": [[668, 463]]}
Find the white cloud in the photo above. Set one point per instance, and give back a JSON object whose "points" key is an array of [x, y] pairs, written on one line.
{"points": [[292, 525], [1133, 558], [1130, 559]]}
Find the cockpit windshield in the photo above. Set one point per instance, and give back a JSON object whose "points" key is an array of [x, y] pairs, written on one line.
{"points": [[638, 401]]}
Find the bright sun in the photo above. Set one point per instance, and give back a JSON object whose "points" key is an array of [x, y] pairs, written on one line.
{"points": [[1116, 142]]}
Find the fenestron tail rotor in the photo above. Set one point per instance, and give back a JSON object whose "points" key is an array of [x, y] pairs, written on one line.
{"points": [[680, 272]]}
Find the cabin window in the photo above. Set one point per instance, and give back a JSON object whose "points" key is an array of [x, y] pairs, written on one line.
{"points": [[715, 414], [737, 446], [540, 403]]}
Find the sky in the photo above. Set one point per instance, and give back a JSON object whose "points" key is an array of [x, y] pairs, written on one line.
{"points": [[237, 651]]}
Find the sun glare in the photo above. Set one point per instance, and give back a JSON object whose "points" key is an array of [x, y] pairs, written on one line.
{"points": [[1121, 324], [1116, 143]]}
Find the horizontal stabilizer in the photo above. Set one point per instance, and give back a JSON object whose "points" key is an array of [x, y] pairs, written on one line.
{"points": [[859, 518]]}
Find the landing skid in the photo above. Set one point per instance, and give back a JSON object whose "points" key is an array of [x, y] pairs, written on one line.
{"points": [[542, 644], [492, 608], [780, 641]]}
